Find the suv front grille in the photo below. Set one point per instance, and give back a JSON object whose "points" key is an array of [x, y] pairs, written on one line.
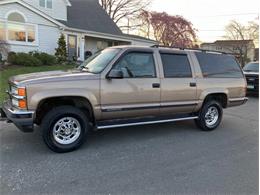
{"points": [[253, 80]]}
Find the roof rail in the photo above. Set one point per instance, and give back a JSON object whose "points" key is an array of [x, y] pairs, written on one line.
{"points": [[193, 49]]}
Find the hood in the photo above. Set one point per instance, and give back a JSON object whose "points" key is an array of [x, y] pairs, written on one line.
{"points": [[51, 76]]}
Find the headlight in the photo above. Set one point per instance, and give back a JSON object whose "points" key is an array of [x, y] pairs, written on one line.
{"points": [[20, 91], [18, 97], [15, 102]]}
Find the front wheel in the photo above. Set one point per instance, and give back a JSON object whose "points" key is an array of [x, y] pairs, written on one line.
{"points": [[64, 128], [210, 116]]}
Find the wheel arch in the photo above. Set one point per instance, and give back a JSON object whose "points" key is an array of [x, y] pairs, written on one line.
{"points": [[221, 97], [48, 103]]}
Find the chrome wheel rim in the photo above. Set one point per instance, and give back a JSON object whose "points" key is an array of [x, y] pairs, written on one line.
{"points": [[66, 130], [211, 116]]}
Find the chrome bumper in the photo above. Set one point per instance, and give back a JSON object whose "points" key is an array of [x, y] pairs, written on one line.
{"points": [[237, 101], [23, 119]]}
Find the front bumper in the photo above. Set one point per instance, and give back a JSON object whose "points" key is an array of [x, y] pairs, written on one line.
{"points": [[23, 119]]}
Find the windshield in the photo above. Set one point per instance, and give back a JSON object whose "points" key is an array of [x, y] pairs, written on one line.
{"points": [[252, 67], [96, 63]]}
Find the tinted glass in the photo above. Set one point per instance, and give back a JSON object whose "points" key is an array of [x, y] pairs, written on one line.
{"points": [[218, 65], [176, 65], [137, 65], [251, 67]]}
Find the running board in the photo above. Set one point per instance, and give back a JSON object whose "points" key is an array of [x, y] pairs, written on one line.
{"points": [[145, 122]]}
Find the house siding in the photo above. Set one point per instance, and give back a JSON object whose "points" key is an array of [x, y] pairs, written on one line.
{"points": [[58, 11], [229, 48], [47, 36], [31, 17]]}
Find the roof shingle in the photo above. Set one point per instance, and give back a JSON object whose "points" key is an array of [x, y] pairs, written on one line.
{"points": [[90, 16]]}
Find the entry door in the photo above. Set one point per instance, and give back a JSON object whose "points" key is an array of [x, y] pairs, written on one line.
{"points": [[72, 47], [137, 94], [179, 88]]}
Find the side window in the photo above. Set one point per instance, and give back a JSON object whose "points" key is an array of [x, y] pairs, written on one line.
{"points": [[46, 3], [176, 65], [137, 65], [218, 65]]}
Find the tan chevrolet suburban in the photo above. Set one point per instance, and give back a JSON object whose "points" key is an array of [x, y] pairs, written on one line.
{"points": [[125, 86]]}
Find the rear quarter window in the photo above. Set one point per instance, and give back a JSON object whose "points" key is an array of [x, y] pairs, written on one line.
{"points": [[218, 65]]}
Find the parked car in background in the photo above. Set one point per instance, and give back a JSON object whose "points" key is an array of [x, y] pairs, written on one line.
{"points": [[126, 86], [251, 71]]}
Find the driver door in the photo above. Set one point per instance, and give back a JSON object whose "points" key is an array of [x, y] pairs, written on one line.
{"points": [[137, 93]]}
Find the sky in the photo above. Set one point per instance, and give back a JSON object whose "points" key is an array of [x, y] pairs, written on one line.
{"points": [[210, 17]]}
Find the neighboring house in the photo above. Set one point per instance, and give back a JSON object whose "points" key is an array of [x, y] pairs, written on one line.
{"points": [[29, 25], [235, 47]]}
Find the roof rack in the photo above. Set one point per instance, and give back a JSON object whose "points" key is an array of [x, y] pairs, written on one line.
{"points": [[193, 49]]}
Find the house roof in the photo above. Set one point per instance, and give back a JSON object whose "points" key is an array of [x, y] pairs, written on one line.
{"points": [[89, 15], [233, 41]]}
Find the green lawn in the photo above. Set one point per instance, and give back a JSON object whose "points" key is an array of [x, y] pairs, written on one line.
{"points": [[15, 70]]}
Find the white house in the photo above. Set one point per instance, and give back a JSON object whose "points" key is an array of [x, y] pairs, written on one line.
{"points": [[234, 47], [30, 25]]}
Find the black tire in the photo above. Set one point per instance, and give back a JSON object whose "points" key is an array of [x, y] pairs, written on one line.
{"points": [[56, 114], [201, 121]]}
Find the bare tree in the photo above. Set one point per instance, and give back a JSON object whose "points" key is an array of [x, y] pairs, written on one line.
{"points": [[237, 31], [123, 9]]}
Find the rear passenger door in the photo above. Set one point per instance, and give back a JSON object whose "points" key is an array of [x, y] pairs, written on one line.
{"points": [[178, 86]]}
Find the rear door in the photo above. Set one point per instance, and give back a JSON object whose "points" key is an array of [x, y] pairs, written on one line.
{"points": [[178, 86]]}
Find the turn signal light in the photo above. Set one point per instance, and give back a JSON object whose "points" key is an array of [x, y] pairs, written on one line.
{"points": [[22, 104], [21, 92]]}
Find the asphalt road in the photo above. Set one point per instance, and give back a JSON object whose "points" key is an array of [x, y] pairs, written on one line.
{"points": [[166, 159]]}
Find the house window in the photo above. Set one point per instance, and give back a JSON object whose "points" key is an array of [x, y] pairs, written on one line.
{"points": [[46, 3], [17, 30], [16, 17]]}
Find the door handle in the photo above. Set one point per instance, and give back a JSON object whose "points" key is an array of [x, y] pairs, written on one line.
{"points": [[193, 84], [156, 85]]}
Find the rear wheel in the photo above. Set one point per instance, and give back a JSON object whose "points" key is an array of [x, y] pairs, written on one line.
{"points": [[64, 128], [210, 116]]}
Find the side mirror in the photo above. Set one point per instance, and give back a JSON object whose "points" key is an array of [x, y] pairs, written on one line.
{"points": [[115, 74]]}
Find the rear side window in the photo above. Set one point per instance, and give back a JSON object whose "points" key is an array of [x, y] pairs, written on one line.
{"points": [[176, 65], [218, 66]]}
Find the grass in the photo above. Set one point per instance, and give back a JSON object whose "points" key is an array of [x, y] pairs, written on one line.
{"points": [[16, 70]]}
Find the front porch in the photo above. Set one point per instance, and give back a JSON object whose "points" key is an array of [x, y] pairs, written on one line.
{"points": [[81, 47]]}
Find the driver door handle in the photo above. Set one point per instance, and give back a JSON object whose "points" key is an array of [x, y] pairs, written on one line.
{"points": [[156, 85], [193, 84]]}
